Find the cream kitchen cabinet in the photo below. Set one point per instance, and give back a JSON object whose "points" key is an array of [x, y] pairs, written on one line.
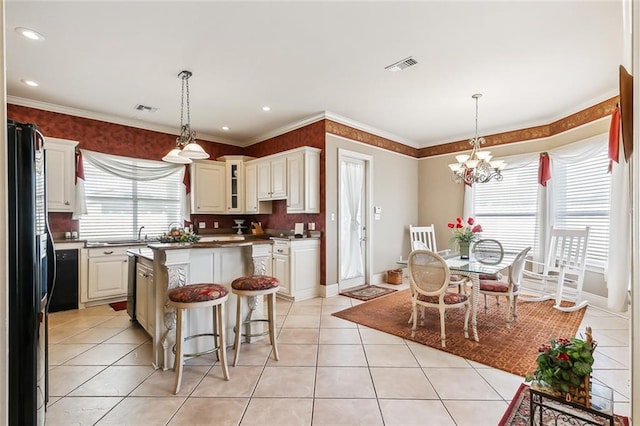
{"points": [[303, 180], [145, 292], [61, 173], [251, 203], [296, 263], [208, 187], [272, 178], [103, 274]]}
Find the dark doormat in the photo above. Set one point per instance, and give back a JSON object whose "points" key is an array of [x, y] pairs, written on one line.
{"points": [[118, 306], [367, 292]]}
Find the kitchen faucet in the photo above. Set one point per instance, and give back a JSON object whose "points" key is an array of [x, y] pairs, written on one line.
{"points": [[139, 231]]}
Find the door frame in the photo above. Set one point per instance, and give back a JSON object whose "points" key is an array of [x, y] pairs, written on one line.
{"points": [[367, 211]]}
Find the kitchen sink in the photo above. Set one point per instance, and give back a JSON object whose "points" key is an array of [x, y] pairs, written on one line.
{"points": [[212, 238], [115, 243]]}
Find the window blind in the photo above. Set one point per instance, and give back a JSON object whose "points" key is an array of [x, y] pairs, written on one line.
{"points": [[507, 209], [117, 207], [582, 199]]}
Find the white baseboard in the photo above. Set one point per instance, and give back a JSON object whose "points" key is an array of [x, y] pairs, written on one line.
{"points": [[329, 290]]}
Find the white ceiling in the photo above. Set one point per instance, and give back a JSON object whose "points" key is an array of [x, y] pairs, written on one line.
{"points": [[534, 62]]}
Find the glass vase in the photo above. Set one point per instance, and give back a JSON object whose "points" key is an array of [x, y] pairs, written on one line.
{"points": [[464, 249]]}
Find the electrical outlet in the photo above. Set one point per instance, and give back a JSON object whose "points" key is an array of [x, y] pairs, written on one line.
{"points": [[215, 225], [202, 225], [311, 226]]}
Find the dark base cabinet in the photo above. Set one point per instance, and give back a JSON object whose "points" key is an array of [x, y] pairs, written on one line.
{"points": [[65, 291]]}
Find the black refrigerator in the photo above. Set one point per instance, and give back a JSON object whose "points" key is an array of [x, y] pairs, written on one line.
{"points": [[31, 269]]}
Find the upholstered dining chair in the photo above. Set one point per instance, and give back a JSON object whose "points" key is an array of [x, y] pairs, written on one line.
{"points": [[490, 252], [509, 289], [429, 281]]}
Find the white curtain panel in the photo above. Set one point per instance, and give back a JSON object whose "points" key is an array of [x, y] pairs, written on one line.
{"points": [[617, 273], [352, 187]]}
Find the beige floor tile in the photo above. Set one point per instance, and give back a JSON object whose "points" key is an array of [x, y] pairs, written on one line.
{"points": [[605, 362], [337, 301], [122, 322], [62, 352], [60, 334], [476, 413], [618, 380], [286, 382], [414, 412], [341, 355], [446, 382], [102, 310], [302, 321], [210, 411], [622, 408], [93, 335], [375, 337], [621, 337], [347, 412], [390, 356], [241, 384], [316, 301], [114, 381], [88, 321], [402, 383], [281, 412], [130, 335], [620, 354], [329, 321], [340, 336], [298, 309], [304, 336], [79, 410], [599, 324], [64, 379], [143, 411], [431, 357], [344, 382], [295, 356], [506, 384], [105, 354], [141, 355], [252, 353], [162, 383]]}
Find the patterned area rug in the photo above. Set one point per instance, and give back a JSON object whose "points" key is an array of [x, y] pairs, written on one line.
{"points": [[118, 306], [367, 292], [518, 413], [512, 349]]}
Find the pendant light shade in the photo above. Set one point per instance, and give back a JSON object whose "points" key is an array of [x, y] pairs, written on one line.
{"points": [[174, 157]]}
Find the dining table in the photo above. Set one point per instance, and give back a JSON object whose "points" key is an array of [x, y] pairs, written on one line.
{"points": [[473, 269]]}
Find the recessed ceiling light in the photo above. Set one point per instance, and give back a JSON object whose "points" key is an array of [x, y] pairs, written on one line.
{"points": [[30, 83], [29, 33], [225, 128], [266, 108]]}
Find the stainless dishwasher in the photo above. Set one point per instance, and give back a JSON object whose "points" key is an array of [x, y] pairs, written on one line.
{"points": [[131, 286]]}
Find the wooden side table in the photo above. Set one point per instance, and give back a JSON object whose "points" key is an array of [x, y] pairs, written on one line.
{"points": [[546, 407]]}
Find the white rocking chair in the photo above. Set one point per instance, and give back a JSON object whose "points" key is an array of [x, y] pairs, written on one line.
{"points": [[563, 269]]}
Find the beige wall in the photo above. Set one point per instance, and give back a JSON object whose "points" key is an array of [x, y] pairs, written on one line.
{"points": [[441, 200], [395, 189]]}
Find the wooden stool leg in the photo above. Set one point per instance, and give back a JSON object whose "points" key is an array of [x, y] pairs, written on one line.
{"points": [[222, 341], [271, 305], [177, 363], [236, 343]]}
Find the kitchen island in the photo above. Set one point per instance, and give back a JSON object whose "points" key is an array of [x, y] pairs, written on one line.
{"points": [[166, 265]]}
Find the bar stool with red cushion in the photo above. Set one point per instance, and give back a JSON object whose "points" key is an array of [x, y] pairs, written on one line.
{"points": [[253, 286], [194, 296]]}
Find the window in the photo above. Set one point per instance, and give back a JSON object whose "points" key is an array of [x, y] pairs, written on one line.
{"points": [[581, 186], [582, 198], [117, 207], [507, 209]]}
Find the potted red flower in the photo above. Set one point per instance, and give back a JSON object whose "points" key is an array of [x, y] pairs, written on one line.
{"points": [[464, 233]]}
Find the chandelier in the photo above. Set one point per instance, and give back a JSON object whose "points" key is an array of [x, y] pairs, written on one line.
{"points": [[186, 146], [476, 167]]}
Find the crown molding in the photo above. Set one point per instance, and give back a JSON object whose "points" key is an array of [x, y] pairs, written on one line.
{"points": [[138, 124]]}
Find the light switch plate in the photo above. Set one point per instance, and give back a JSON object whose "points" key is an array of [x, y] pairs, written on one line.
{"points": [[202, 225], [215, 225]]}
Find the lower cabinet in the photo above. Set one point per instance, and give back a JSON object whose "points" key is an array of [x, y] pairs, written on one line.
{"points": [[145, 292], [296, 263], [103, 275]]}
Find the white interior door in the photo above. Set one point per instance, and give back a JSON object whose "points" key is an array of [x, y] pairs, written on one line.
{"points": [[353, 209]]}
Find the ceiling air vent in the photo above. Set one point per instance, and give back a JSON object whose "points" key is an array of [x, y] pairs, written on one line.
{"points": [[141, 107], [400, 65]]}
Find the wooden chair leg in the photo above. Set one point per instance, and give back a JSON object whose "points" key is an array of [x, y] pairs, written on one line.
{"points": [[238, 330], [177, 363], [222, 340], [271, 305]]}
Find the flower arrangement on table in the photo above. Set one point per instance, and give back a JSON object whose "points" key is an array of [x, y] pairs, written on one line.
{"points": [[179, 235], [565, 367], [464, 233]]}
